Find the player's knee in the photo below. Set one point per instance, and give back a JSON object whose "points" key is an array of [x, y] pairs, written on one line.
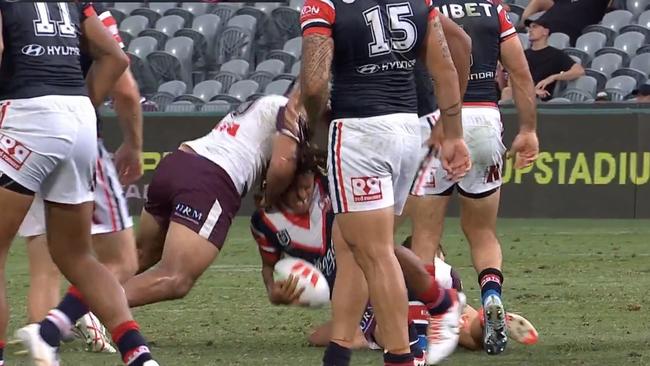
{"points": [[178, 285]]}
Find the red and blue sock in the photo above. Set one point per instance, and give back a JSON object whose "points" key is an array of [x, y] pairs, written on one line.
{"points": [[131, 343], [490, 280], [336, 355], [59, 321]]}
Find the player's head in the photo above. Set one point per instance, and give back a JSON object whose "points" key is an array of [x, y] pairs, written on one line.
{"points": [[311, 163], [538, 27]]}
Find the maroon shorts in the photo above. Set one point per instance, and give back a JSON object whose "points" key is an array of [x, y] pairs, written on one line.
{"points": [[194, 192]]}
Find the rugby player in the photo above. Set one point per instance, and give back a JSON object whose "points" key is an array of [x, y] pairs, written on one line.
{"points": [[374, 142], [494, 38], [48, 145], [113, 239], [196, 191], [300, 226]]}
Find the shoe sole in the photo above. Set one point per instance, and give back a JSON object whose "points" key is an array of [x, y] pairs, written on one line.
{"points": [[494, 314]]}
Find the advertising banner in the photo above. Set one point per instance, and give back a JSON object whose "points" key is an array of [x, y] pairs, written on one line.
{"points": [[593, 163]]}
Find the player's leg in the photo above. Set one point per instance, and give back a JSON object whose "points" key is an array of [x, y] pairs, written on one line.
{"points": [[67, 192], [113, 239], [349, 300], [199, 208], [427, 215], [186, 255], [150, 240], [27, 158], [322, 334], [479, 203], [444, 305], [44, 279]]}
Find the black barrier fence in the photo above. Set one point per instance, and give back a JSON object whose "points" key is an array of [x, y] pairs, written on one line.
{"points": [[594, 163]]}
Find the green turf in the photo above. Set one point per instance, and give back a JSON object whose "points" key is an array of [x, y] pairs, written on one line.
{"points": [[579, 281]]}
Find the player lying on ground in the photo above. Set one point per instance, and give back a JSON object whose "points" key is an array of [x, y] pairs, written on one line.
{"points": [[113, 239], [49, 147], [301, 225]]}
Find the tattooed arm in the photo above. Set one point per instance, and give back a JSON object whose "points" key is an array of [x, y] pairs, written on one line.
{"points": [[317, 54], [441, 66], [460, 47]]}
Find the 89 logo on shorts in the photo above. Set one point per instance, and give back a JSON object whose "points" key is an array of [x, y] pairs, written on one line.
{"points": [[366, 189], [13, 152]]}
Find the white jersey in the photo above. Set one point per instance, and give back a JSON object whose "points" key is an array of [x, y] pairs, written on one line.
{"points": [[241, 143]]}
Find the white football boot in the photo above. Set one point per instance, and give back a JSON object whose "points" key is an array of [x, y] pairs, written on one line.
{"points": [[40, 352], [443, 331], [91, 330], [495, 338]]}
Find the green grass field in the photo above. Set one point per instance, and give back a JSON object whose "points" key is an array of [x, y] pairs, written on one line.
{"points": [[583, 283]]}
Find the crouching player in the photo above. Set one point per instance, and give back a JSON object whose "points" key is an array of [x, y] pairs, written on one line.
{"points": [[301, 225]]}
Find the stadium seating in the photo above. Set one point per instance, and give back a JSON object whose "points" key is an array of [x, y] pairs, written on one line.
{"points": [[619, 87], [229, 43], [581, 89]]}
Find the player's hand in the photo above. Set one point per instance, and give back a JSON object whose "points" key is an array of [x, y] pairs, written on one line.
{"points": [[455, 158], [286, 292], [128, 163], [525, 149]]}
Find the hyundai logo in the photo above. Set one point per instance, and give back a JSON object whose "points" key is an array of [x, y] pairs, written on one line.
{"points": [[34, 50], [368, 69]]}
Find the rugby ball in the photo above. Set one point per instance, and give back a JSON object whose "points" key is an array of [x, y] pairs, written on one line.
{"points": [[317, 291]]}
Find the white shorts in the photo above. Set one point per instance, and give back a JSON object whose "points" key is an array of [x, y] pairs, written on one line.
{"points": [[372, 161], [482, 131], [110, 214], [49, 145]]}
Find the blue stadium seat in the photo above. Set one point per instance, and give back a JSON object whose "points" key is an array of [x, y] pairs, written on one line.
{"points": [[165, 28], [204, 32], [267, 71], [231, 72], [188, 11], [620, 87], [581, 89], [278, 87], [175, 62], [625, 45], [559, 40], [131, 27], [203, 92], [138, 51], [291, 52], [154, 11], [167, 92], [637, 7], [121, 10], [603, 66], [182, 106], [587, 45], [642, 25], [239, 92], [611, 24], [639, 68], [236, 40]]}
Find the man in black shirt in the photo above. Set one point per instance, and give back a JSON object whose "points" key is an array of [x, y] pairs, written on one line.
{"points": [[568, 16], [547, 64]]}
